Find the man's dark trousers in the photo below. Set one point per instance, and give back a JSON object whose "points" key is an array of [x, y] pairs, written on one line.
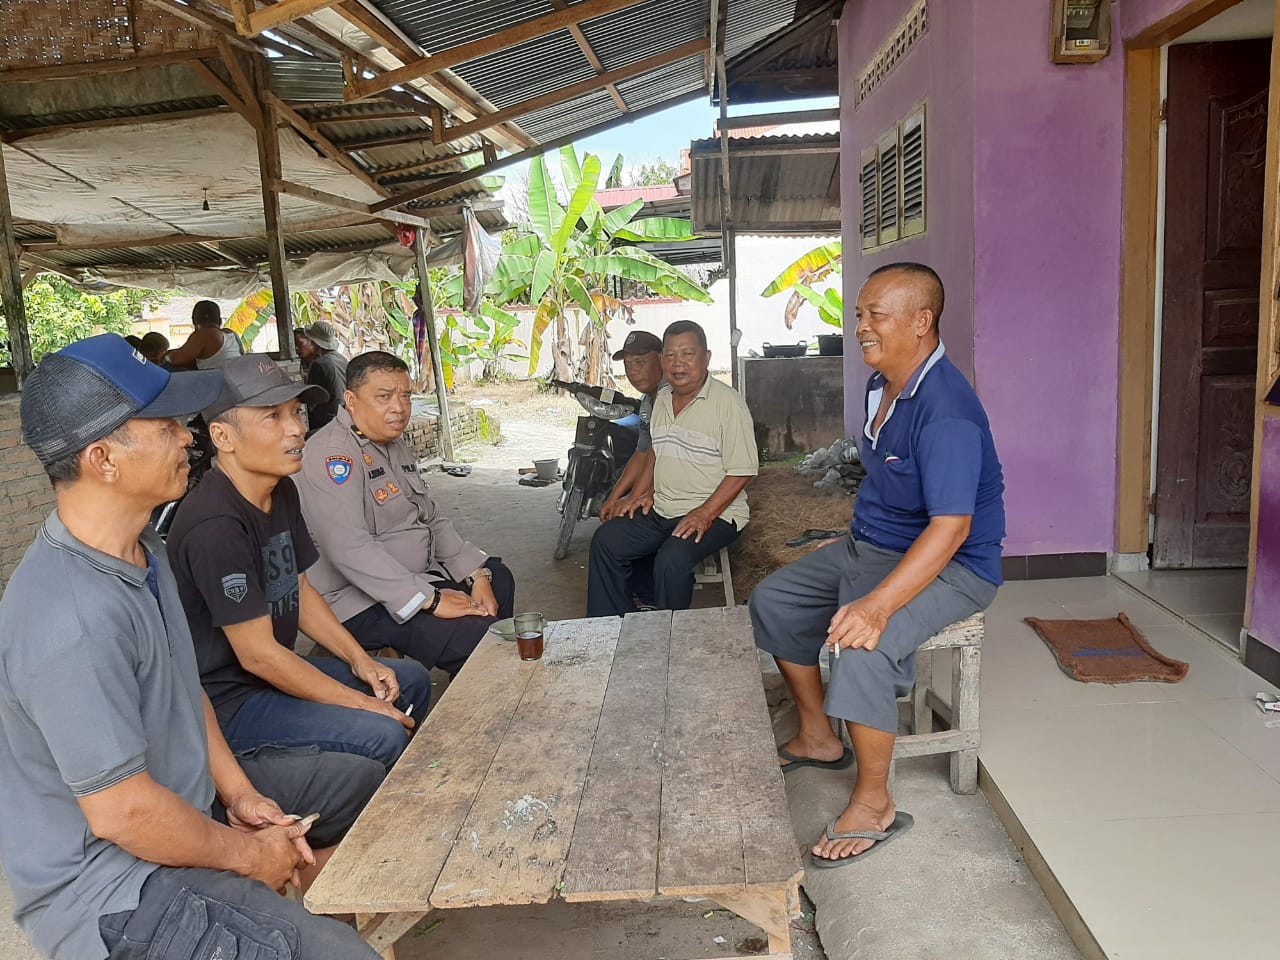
{"points": [[625, 541]]}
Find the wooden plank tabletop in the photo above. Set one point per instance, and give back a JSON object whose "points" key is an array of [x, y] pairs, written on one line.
{"points": [[725, 820], [635, 759], [390, 859]]}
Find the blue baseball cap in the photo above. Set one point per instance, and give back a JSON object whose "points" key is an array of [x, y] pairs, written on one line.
{"points": [[85, 391]]}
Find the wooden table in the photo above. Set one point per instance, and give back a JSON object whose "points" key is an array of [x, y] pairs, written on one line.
{"points": [[634, 761]]}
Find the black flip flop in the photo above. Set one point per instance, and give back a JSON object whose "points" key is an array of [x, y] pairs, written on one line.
{"points": [[795, 762], [902, 822]]}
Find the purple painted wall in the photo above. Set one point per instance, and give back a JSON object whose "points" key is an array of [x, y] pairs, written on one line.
{"points": [[1264, 619], [1024, 224], [941, 74], [1136, 15], [1047, 235]]}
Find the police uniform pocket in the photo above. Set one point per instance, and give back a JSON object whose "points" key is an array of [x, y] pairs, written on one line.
{"points": [[902, 489]]}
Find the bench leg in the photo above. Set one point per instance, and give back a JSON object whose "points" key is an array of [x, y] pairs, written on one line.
{"points": [[728, 577], [769, 908], [382, 930], [921, 712], [964, 706]]}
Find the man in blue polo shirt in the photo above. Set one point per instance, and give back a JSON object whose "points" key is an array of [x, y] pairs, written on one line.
{"points": [[924, 552]]}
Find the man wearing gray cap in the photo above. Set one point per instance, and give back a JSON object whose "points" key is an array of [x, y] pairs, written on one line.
{"points": [[328, 370], [110, 760], [241, 552]]}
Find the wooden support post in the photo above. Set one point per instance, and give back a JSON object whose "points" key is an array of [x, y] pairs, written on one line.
{"points": [[269, 170], [728, 236], [15, 311], [429, 313]]}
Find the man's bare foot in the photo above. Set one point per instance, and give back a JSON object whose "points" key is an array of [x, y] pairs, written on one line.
{"points": [[857, 817], [814, 748]]}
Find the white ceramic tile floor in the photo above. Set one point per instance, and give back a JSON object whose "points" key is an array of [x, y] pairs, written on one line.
{"points": [[1155, 806]]}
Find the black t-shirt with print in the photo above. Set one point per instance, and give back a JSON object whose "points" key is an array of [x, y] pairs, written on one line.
{"points": [[234, 563]]}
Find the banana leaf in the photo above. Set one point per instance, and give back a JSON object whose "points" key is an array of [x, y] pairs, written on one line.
{"points": [[570, 168], [547, 313], [809, 269], [617, 219], [582, 198], [544, 205], [631, 263], [544, 269], [656, 230]]}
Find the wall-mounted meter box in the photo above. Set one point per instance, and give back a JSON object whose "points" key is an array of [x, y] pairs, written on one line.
{"points": [[1081, 30]]}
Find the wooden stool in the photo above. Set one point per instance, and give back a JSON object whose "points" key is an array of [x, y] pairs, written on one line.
{"points": [[715, 569], [964, 640]]}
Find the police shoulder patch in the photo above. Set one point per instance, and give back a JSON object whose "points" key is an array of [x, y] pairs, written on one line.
{"points": [[339, 469]]}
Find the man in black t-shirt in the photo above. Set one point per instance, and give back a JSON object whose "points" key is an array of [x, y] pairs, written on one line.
{"points": [[240, 550]]}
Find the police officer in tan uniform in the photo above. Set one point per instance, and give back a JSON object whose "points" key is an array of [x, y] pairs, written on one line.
{"points": [[392, 567]]}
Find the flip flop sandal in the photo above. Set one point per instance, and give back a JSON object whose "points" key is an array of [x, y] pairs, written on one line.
{"points": [[794, 762], [901, 824]]}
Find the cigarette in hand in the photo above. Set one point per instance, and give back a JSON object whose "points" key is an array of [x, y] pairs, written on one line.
{"points": [[409, 710], [837, 653]]}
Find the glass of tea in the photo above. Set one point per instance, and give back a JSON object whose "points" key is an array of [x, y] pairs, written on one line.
{"points": [[529, 635]]}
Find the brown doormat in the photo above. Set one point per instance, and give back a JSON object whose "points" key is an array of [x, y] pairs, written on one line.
{"points": [[1106, 651]]}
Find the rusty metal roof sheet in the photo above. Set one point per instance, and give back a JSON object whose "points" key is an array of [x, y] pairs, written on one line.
{"points": [[779, 185]]}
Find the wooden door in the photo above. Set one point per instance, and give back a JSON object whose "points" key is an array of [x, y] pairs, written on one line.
{"points": [[1216, 154]]}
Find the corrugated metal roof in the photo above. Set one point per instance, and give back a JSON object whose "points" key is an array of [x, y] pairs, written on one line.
{"points": [[141, 111], [527, 70], [780, 185]]}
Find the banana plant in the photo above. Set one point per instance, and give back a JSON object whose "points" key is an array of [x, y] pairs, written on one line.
{"points": [[815, 266], [563, 265]]}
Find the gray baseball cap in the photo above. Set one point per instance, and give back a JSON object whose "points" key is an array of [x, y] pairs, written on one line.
{"points": [[255, 380]]}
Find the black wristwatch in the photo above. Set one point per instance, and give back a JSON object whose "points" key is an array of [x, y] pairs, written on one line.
{"points": [[435, 602]]}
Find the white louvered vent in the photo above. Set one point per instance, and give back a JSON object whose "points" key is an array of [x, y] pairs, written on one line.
{"points": [[905, 36]]}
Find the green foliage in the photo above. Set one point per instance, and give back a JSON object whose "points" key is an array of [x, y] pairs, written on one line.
{"points": [[799, 277], [660, 173], [59, 313], [573, 253]]}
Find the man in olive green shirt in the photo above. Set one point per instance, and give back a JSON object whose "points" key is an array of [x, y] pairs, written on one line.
{"points": [[705, 455]]}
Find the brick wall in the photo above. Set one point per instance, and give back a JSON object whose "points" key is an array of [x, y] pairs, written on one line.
{"points": [[470, 425], [26, 496]]}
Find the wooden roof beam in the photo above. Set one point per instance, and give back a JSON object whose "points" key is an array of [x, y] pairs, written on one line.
{"points": [[66, 71], [251, 22], [589, 52], [321, 142], [565, 94], [541, 27]]}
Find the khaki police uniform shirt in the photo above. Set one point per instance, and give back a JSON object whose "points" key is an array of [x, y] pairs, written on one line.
{"points": [[711, 439], [381, 537]]}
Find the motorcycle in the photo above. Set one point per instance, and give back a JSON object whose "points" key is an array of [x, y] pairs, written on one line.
{"points": [[603, 442], [199, 459]]}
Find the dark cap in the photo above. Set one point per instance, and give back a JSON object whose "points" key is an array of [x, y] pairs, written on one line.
{"points": [[638, 342], [255, 380], [83, 392]]}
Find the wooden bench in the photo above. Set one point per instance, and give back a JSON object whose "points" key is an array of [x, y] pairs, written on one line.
{"points": [[622, 766], [960, 712], [715, 569]]}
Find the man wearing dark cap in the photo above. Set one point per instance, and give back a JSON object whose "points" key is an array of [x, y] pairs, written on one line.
{"points": [[641, 357], [110, 761], [241, 550], [328, 369]]}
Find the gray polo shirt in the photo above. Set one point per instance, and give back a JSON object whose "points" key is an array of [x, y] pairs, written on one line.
{"points": [[96, 686]]}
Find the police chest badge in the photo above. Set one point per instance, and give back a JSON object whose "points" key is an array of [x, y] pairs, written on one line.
{"points": [[339, 469], [368, 460], [380, 495]]}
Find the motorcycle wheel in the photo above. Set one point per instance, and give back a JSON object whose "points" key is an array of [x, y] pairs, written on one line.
{"points": [[569, 518]]}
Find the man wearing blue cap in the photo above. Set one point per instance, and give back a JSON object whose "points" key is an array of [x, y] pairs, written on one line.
{"points": [[110, 759]]}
